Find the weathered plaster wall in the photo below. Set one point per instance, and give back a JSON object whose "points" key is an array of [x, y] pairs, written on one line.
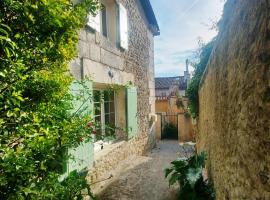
{"points": [[186, 132], [234, 116]]}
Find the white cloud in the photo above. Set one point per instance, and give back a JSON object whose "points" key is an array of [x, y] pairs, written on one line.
{"points": [[182, 23]]}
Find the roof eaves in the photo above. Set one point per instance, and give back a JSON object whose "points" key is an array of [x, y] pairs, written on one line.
{"points": [[150, 15]]}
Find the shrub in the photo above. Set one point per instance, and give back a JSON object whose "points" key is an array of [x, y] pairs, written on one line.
{"points": [[179, 103], [187, 172], [193, 86], [170, 130], [37, 41]]}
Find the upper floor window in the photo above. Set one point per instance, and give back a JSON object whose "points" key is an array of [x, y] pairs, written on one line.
{"points": [[111, 22], [104, 21]]}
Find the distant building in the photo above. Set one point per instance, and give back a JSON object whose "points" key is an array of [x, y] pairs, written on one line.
{"points": [[172, 107], [171, 86]]}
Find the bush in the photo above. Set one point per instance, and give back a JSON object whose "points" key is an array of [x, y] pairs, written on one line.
{"points": [[170, 130], [193, 86], [37, 41], [187, 172]]}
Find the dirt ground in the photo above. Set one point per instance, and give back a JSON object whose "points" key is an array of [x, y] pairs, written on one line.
{"points": [[142, 177]]}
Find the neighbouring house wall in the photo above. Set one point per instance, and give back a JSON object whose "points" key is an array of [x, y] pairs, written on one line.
{"points": [[161, 106], [186, 132], [162, 92], [97, 56], [158, 127], [234, 126]]}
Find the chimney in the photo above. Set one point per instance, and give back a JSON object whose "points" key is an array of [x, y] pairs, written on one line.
{"points": [[186, 73], [187, 63]]}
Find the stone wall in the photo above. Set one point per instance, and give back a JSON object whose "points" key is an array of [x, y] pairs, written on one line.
{"points": [[107, 160], [234, 126], [97, 56], [185, 128]]}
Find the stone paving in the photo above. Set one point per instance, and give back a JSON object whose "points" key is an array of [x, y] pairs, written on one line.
{"points": [[142, 177]]}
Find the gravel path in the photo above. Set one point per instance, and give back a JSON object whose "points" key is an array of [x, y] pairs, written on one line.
{"points": [[142, 177]]}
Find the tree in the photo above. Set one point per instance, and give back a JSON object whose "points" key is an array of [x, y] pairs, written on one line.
{"points": [[38, 39]]}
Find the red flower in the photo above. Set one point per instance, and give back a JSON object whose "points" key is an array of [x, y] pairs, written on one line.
{"points": [[94, 132]]}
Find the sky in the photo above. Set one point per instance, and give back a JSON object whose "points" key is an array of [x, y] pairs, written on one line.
{"points": [[182, 24]]}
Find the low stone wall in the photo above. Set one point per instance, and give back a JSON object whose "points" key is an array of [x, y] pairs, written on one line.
{"points": [[107, 160], [234, 118]]}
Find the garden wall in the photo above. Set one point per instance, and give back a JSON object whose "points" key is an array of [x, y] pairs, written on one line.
{"points": [[234, 117]]}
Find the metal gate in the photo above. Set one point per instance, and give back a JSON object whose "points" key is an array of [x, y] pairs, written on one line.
{"points": [[169, 127]]}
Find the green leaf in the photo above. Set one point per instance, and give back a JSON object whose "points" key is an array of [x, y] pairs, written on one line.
{"points": [[167, 171], [2, 74], [174, 178], [193, 175]]}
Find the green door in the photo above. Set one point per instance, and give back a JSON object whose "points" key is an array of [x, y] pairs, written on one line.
{"points": [[131, 111]]}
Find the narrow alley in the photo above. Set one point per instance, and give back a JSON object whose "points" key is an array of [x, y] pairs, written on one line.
{"points": [[142, 177]]}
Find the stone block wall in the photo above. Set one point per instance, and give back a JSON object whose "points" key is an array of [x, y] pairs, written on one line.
{"points": [[109, 159], [234, 118], [97, 56]]}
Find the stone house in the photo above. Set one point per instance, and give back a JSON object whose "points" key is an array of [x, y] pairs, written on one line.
{"points": [[170, 86], [172, 107], [116, 49]]}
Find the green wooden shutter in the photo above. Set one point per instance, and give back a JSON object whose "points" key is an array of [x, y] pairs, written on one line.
{"points": [[131, 112], [83, 155]]}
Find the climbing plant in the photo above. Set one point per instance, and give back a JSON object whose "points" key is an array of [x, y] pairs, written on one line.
{"points": [[37, 41], [199, 67]]}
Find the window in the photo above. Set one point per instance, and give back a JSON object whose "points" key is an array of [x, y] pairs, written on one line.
{"points": [[104, 20], [104, 113], [111, 22]]}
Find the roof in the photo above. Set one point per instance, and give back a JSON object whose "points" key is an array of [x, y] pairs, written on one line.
{"points": [[150, 15], [166, 82]]}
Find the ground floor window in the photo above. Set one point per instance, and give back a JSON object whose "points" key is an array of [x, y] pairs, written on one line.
{"points": [[104, 116]]}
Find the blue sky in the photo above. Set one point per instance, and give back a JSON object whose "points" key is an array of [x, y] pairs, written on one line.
{"points": [[182, 23]]}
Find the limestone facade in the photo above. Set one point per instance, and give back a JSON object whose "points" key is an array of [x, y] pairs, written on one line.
{"points": [[101, 59]]}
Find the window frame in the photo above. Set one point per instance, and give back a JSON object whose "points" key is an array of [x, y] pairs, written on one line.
{"points": [[122, 17], [102, 110], [104, 19]]}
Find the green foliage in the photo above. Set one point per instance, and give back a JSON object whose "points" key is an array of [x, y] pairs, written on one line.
{"points": [[179, 103], [188, 174], [37, 41], [193, 87], [170, 130]]}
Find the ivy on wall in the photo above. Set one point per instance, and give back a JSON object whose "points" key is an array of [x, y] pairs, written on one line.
{"points": [[193, 87]]}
